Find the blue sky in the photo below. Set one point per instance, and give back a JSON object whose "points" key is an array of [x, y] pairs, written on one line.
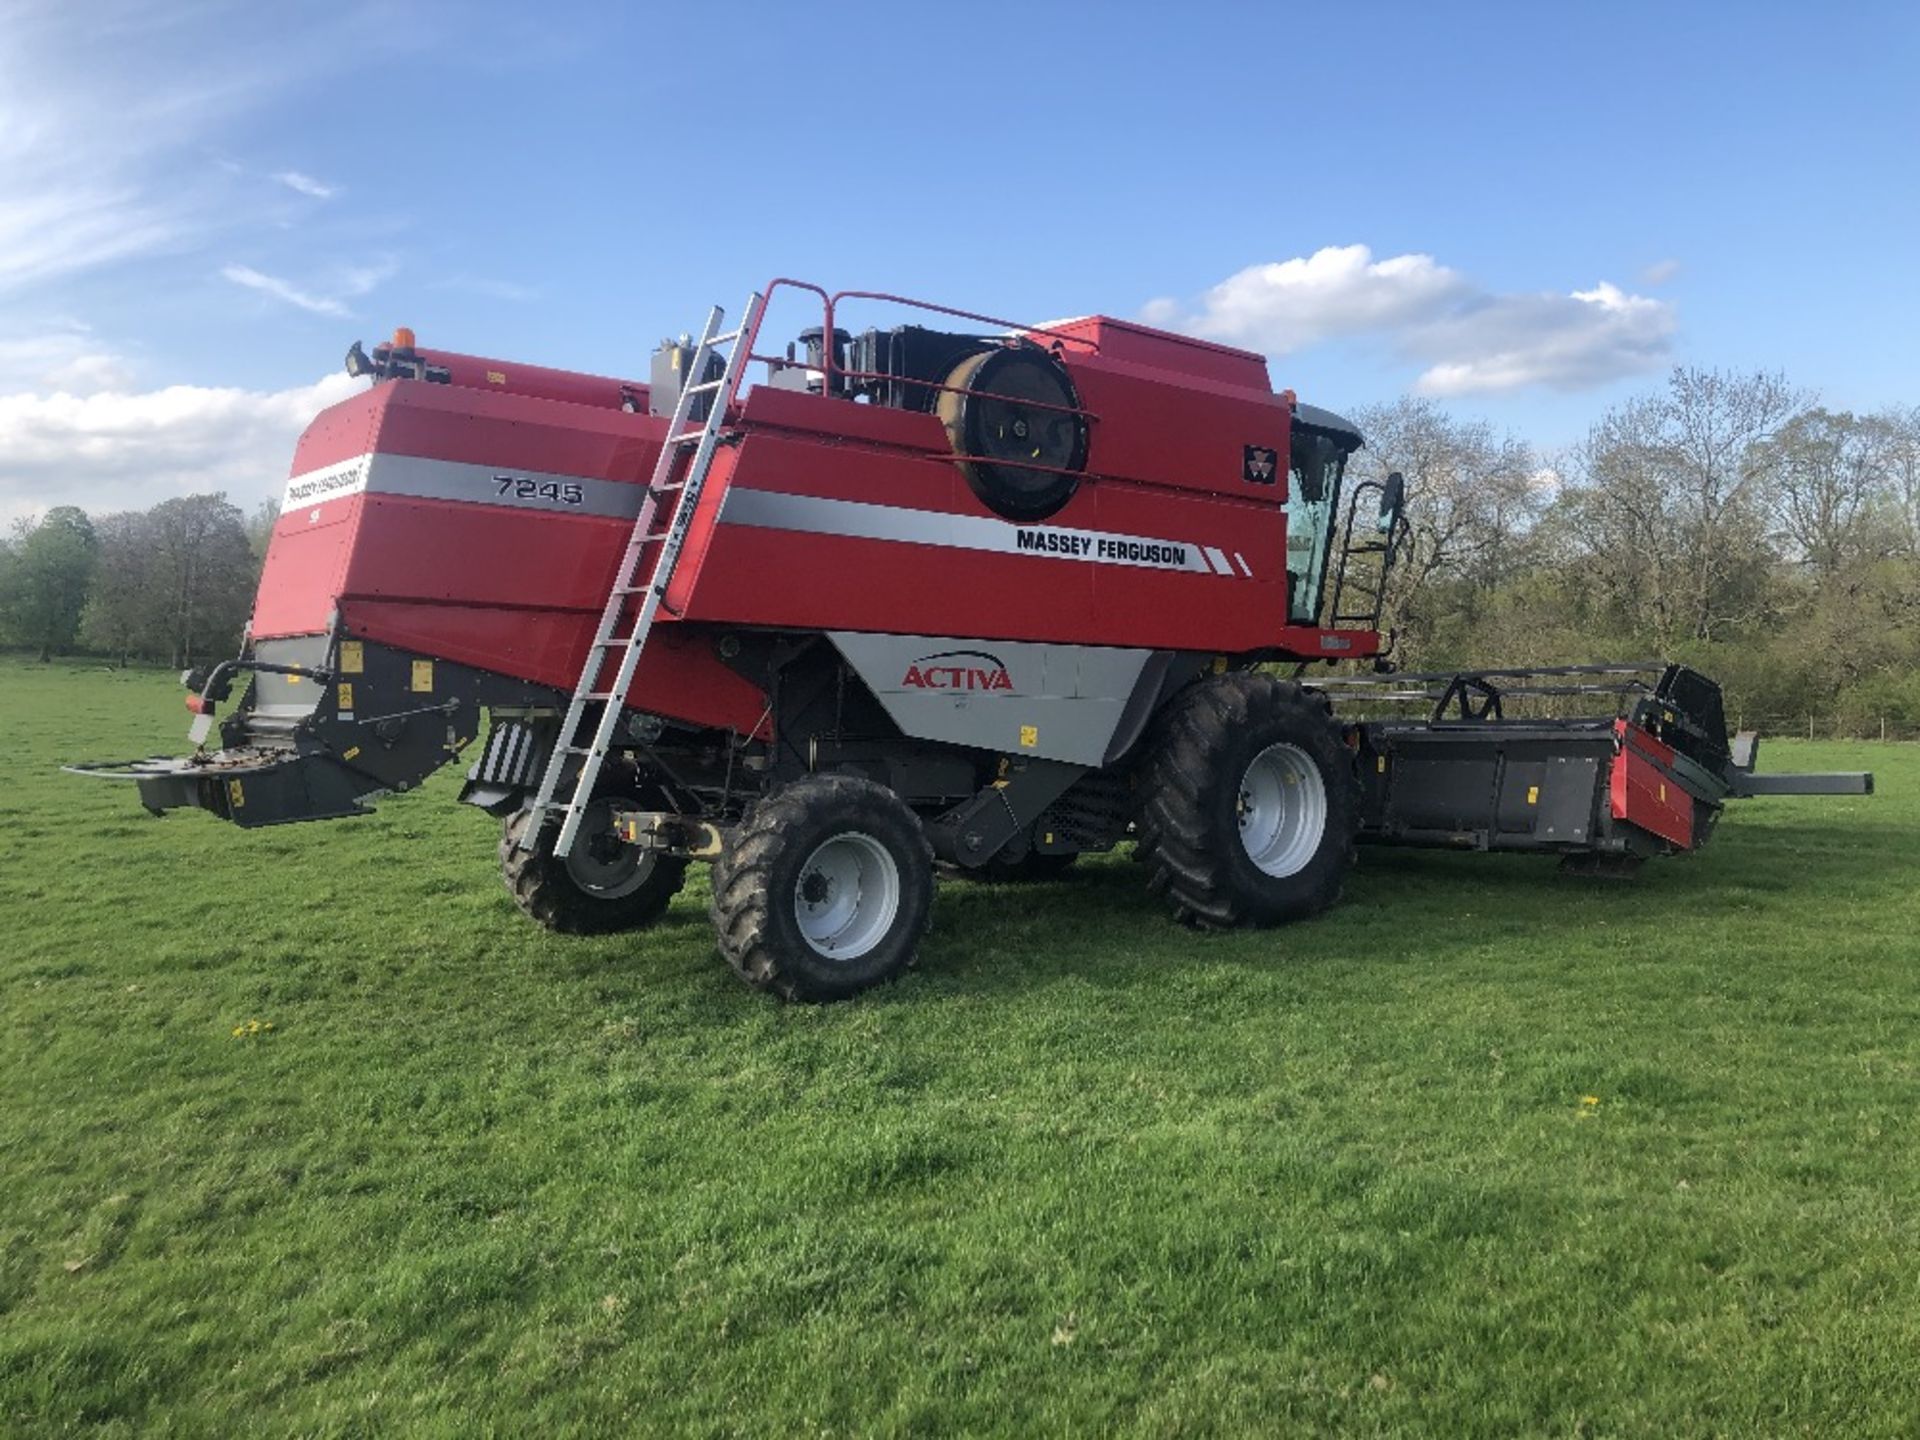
{"points": [[1528, 212]]}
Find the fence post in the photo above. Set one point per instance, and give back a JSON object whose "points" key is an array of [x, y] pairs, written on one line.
{"points": [[1883, 729], [1809, 725]]}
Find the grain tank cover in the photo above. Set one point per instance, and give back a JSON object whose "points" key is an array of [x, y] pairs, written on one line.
{"points": [[1122, 342]]}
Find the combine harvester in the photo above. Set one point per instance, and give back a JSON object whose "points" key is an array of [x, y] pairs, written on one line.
{"points": [[993, 596]]}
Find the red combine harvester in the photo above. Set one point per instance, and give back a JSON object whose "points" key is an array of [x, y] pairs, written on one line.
{"points": [[992, 595]]}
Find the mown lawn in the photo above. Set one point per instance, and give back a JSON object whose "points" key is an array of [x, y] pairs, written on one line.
{"points": [[1487, 1151]]}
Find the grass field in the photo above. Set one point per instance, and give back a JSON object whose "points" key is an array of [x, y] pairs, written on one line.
{"points": [[1486, 1151]]}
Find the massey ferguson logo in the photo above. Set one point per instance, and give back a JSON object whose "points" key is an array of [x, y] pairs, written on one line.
{"points": [[957, 670], [1261, 462]]}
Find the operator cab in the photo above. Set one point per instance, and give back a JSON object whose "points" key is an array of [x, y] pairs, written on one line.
{"points": [[1317, 454]]}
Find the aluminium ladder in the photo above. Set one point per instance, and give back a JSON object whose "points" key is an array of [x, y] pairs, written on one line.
{"points": [[640, 584]]}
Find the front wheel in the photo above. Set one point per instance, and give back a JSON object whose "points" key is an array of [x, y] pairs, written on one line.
{"points": [[824, 890], [1250, 804]]}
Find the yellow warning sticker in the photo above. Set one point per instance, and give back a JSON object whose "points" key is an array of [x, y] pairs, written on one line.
{"points": [[423, 675], [293, 679], [351, 753], [1029, 735], [496, 377], [1663, 792], [236, 797], [1219, 664], [1533, 794], [1381, 765], [353, 657], [346, 698]]}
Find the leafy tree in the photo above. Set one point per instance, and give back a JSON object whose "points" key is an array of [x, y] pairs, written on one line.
{"points": [[260, 527], [46, 578]]}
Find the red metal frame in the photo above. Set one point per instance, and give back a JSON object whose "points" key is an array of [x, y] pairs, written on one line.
{"points": [[828, 370], [518, 591]]}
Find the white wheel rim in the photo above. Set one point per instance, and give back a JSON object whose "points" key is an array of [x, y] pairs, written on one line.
{"points": [[847, 896], [1283, 810], [602, 866]]}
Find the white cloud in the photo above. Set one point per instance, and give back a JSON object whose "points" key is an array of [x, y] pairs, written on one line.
{"points": [[349, 283], [1565, 342], [1660, 272], [114, 450], [1468, 339], [306, 185], [1338, 290]]}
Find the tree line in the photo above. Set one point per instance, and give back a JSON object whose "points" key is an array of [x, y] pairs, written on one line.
{"points": [[174, 583], [1726, 520], [1723, 519]]}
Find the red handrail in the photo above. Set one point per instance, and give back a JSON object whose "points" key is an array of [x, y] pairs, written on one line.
{"points": [[829, 370]]}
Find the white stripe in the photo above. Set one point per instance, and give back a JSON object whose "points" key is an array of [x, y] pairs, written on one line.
{"points": [[429, 479], [818, 515], [1218, 558], [1245, 568]]}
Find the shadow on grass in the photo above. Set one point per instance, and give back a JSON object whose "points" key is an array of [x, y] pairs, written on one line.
{"points": [[1098, 924]]}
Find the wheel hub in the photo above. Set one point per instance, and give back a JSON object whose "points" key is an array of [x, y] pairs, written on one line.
{"points": [[1282, 810], [602, 866], [847, 896]]}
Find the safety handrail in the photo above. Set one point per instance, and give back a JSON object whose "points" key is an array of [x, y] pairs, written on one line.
{"points": [[829, 370]]}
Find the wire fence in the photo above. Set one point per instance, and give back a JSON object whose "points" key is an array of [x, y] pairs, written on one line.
{"points": [[1828, 727]]}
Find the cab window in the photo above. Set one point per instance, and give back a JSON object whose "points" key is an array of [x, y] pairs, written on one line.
{"points": [[1316, 466]]}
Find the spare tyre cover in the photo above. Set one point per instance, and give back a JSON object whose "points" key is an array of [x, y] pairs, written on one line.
{"points": [[1011, 405]]}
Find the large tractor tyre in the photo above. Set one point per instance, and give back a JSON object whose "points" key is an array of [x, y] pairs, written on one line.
{"points": [[824, 890], [1251, 803], [601, 887]]}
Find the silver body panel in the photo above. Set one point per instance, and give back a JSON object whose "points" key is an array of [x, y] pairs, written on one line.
{"points": [[1053, 702]]}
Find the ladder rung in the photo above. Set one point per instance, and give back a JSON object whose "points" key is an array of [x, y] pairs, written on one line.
{"points": [[704, 386], [727, 339]]}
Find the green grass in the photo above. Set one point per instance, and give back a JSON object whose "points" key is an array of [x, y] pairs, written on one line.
{"points": [[1081, 1173]]}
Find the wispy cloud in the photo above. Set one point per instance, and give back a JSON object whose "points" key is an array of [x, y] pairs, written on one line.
{"points": [[1660, 272], [284, 290], [1468, 338], [305, 184], [347, 284]]}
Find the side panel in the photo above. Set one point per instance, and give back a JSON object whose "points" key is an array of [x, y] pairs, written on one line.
{"points": [[1641, 792], [1055, 702]]}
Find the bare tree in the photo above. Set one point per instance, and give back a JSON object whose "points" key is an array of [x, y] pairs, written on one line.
{"points": [[124, 615], [1901, 458], [1670, 504], [1829, 473], [1472, 498], [204, 573]]}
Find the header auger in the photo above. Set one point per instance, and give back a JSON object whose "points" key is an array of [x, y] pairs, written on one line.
{"points": [[965, 593]]}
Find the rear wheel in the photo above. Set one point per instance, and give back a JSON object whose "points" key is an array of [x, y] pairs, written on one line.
{"points": [[601, 886], [824, 890], [1251, 804]]}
